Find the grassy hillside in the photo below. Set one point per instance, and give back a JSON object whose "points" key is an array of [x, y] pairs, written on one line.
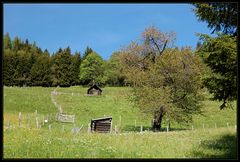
{"points": [[114, 102], [24, 142]]}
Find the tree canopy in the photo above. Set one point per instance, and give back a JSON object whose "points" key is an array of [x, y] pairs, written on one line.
{"points": [[220, 52], [220, 55], [166, 81], [92, 69], [220, 16]]}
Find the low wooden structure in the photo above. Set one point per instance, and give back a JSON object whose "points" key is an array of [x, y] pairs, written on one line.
{"points": [[101, 125], [94, 90], [65, 118]]}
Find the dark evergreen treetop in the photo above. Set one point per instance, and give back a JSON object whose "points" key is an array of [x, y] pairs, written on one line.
{"points": [[87, 52], [220, 16]]}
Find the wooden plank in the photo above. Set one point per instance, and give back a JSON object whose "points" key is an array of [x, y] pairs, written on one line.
{"points": [[99, 128], [103, 131], [102, 127], [103, 124]]}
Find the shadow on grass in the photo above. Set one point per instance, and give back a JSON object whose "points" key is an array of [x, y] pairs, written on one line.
{"points": [[224, 147]]}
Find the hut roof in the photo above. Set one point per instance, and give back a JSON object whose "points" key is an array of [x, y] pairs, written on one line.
{"points": [[104, 118], [95, 87]]}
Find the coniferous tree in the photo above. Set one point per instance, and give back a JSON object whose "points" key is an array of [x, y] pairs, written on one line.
{"points": [[87, 52], [220, 16], [17, 44], [75, 68], [23, 67], [61, 68], [220, 53], [7, 41], [40, 71], [9, 66]]}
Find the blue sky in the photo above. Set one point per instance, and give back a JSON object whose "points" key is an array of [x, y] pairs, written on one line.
{"points": [[103, 27]]}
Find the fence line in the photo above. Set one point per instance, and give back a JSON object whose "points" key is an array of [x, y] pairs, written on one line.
{"points": [[24, 121], [115, 130], [60, 116]]}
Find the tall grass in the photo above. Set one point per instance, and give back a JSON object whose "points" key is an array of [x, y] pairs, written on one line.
{"points": [[21, 143]]}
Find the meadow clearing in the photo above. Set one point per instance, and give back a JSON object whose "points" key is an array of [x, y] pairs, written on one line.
{"points": [[211, 135]]}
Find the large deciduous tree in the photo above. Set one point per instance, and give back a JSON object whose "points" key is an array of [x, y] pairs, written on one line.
{"points": [[92, 69], [166, 81], [114, 71]]}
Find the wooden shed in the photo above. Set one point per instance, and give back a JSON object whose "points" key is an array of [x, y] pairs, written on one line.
{"points": [[102, 125], [94, 90]]}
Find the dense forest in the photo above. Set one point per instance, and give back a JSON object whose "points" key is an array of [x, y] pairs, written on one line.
{"points": [[26, 64]]}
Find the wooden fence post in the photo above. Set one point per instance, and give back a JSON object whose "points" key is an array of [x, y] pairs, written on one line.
{"points": [[47, 118], [50, 118], [9, 124], [19, 119], [28, 120], [167, 128], [89, 128], [43, 120], [141, 129], [120, 120], [115, 128], [111, 127], [37, 122]]}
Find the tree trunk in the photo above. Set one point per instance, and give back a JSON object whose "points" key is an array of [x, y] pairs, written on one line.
{"points": [[157, 121]]}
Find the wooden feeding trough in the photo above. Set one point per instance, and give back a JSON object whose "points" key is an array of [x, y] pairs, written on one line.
{"points": [[65, 118], [102, 125], [94, 91]]}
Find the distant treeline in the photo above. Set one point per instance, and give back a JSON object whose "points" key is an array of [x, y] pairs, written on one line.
{"points": [[26, 64]]}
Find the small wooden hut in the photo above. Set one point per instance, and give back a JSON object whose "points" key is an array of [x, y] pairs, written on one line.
{"points": [[101, 125], [94, 90]]}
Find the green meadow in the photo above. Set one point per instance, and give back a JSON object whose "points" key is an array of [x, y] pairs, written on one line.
{"points": [[211, 135]]}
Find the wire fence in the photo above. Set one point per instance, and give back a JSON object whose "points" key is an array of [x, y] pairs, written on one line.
{"points": [[48, 122]]}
